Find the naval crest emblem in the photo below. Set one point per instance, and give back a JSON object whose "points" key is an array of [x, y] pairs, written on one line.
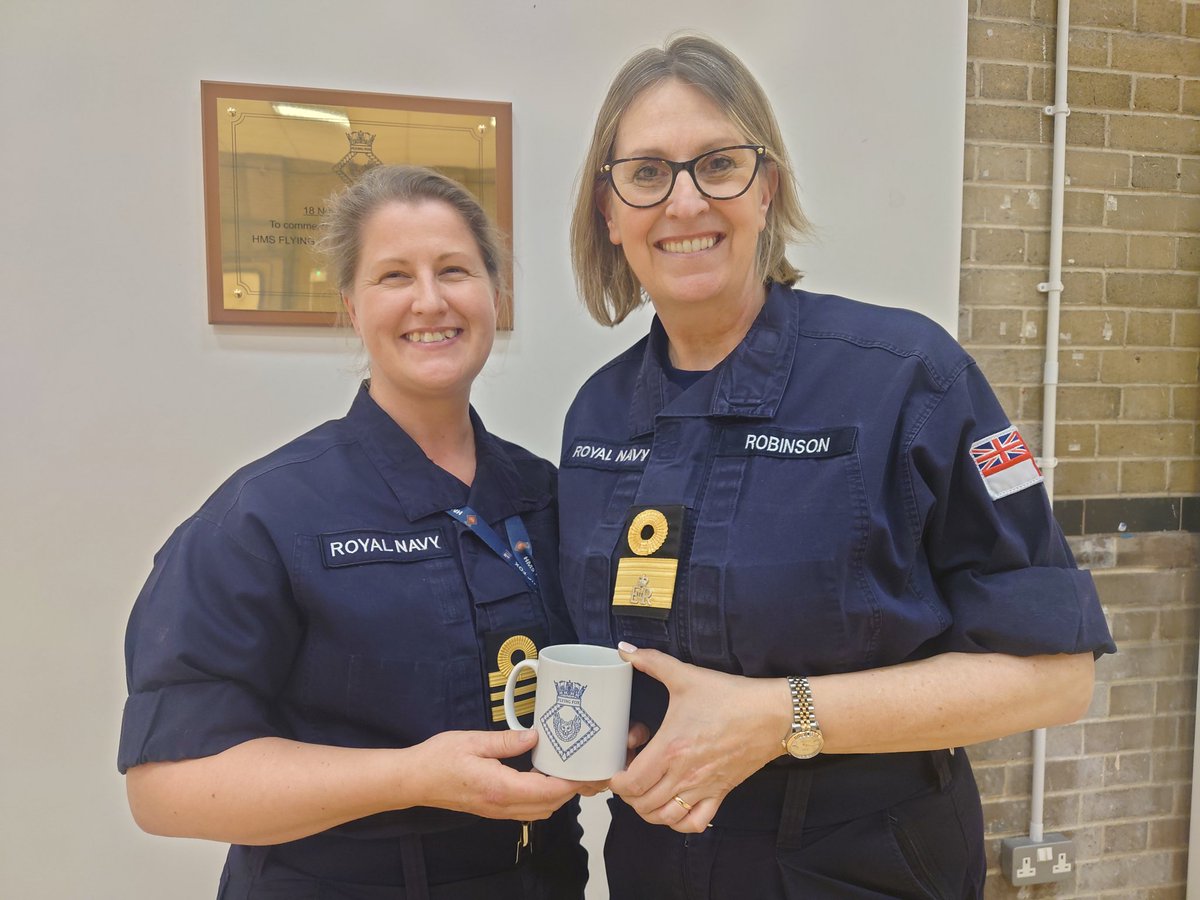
{"points": [[359, 158], [566, 723]]}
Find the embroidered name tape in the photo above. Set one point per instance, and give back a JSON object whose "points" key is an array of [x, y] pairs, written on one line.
{"points": [[594, 454], [754, 441], [1005, 463], [353, 548]]}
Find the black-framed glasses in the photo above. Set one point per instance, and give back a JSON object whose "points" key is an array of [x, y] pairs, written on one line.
{"points": [[721, 174]]}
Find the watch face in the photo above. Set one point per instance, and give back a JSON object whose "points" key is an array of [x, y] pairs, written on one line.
{"points": [[805, 744]]}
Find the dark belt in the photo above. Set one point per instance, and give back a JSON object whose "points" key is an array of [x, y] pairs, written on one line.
{"points": [[791, 795], [417, 861]]}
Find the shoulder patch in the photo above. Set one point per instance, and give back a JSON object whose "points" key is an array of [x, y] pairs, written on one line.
{"points": [[1005, 463]]}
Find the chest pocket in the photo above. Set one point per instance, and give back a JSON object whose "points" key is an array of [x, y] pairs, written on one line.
{"points": [[502, 598], [786, 521], [388, 636], [366, 579]]}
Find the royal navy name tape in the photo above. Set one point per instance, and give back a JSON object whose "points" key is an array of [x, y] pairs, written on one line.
{"points": [[751, 441], [352, 548], [603, 455]]}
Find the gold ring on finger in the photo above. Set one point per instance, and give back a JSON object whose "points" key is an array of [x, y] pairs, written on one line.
{"points": [[687, 806]]}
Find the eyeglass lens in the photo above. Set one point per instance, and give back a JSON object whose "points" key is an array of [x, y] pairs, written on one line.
{"points": [[721, 174]]}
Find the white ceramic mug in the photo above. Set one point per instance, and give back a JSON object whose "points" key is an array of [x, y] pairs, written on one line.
{"points": [[581, 710]]}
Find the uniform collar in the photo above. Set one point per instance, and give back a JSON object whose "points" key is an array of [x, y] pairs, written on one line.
{"points": [[748, 383], [422, 488]]}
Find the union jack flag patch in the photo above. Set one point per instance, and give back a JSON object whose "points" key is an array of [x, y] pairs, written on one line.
{"points": [[1005, 463]]}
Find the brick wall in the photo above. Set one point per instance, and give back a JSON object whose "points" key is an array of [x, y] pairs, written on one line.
{"points": [[1127, 484]]}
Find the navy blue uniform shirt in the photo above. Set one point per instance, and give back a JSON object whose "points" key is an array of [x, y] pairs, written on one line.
{"points": [[845, 493], [323, 595], [854, 498]]}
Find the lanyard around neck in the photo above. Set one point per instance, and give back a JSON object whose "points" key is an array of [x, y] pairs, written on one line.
{"points": [[518, 553]]}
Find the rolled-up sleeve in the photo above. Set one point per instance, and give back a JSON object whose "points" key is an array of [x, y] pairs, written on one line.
{"points": [[998, 557], [209, 646]]}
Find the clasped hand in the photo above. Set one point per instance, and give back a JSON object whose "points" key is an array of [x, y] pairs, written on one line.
{"points": [[718, 730], [465, 773]]}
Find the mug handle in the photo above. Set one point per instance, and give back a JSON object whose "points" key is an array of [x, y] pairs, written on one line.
{"points": [[510, 714]]}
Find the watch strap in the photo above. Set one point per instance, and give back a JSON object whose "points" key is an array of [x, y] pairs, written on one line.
{"points": [[804, 715]]}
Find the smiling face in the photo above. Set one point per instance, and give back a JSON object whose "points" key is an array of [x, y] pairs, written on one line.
{"points": [[688, 250], [423, 304]]}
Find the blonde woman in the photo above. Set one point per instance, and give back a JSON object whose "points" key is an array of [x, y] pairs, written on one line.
{"points": [[806, 521]]}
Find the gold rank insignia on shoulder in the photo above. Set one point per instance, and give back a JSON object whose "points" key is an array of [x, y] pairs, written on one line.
{"points": [[645, 584], [504, 650]]}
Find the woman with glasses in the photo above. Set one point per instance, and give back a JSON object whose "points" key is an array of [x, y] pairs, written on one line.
{"points": [[805, 520], [317, 661]]}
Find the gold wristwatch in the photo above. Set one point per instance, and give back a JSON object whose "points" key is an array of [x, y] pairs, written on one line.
{"points": [[805, 739]]}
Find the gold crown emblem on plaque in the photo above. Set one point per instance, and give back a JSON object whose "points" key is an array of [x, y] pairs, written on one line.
{"points": [[360, 141]]}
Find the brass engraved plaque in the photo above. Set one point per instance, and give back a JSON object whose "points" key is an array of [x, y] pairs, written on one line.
{"points": [[274, 155]]}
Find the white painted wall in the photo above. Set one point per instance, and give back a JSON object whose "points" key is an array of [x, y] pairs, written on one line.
{"points": [[123, 408]]}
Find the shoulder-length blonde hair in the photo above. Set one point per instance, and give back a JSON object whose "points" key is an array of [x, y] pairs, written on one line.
{"points": [[609, 288]]}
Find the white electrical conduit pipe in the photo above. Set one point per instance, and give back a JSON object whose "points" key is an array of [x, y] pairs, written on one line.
{"points": [[1053, 289]]}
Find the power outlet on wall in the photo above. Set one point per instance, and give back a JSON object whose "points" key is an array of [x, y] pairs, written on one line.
{"points": [[1026, 861]]}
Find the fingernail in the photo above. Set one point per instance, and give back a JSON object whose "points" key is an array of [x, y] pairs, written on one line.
{"points": [[627, 647]]}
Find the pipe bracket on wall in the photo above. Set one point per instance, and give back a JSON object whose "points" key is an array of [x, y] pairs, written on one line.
{"points": [[1047, 286], [1056, 110]]}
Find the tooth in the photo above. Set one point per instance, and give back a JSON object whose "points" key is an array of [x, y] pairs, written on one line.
{"points": [[691, 245]]}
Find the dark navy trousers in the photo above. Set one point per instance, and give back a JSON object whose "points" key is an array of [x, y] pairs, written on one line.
{"points": [[465, 863], [926, 845]]}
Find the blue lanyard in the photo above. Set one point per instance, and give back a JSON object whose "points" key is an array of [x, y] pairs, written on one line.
{"points": [[518, 553]]}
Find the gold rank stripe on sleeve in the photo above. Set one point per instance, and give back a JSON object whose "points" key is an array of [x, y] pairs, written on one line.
{"points": [[497, 679], [524, 695], [644, 583], [520, 690], [520, 707], [507, 649]]}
